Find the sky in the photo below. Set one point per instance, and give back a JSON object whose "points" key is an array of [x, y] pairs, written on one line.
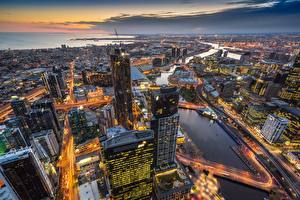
{"points": [[150, 16]]}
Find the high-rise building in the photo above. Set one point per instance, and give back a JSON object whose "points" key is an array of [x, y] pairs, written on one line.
{"points": [[106, 118], [19, 106], [78, 121], [121, 75], [45, 143], [42, 119], [84, 77], [175, 52], [19, 123], [129, 161], [291, 90], [51, 82], [25, 174], [60, 77], [47, 104], [273, 127], [165, 125], [10, 139], [184, 52]]}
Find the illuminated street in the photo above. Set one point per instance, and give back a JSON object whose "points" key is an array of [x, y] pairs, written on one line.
{"points": [[264, 181], [66, 163]]}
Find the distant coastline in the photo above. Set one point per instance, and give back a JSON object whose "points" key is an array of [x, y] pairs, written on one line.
{"points": [[104, 38], [25, 40]]}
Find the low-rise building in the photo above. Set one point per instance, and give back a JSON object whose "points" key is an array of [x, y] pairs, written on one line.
{"points": [[273, 128]]}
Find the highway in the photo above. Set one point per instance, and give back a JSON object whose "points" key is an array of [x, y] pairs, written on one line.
{"points": [[66, 163]]}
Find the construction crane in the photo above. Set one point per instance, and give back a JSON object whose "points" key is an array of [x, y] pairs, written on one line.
{"points": [[117, 35]]}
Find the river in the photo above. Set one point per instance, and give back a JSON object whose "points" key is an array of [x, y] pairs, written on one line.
{"points": [[215, 145]]}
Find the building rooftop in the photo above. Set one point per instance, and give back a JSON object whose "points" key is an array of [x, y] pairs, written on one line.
{"points": [[136, 74], [89, 191], [15, 155], [127, 137], [293, 110], [281, 119], [172, 180], [115, 130], [42, 133]]}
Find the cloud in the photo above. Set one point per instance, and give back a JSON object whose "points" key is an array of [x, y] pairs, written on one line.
{"points": [[249, 16], [249, 2], [277, 17]]}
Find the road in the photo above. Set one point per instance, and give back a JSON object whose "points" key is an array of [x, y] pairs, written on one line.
{"points": [[263, 180], [188, 105], [71, 82], [66, 163], [70, 105]]}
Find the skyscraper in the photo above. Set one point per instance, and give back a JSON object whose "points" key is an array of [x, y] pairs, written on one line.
{"points": [[19, 106], [42, 119], [47, 104], [51, 82], [129, 161], [25, 174], [60, 77], [165, 125], [121, 75]]}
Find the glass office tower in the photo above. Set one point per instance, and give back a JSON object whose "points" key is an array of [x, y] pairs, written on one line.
{"points": [[129, 161], [164, 123], [121, 75]]}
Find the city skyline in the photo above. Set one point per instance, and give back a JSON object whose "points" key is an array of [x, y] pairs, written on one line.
{"points": [[136, 17], [162, 100]]}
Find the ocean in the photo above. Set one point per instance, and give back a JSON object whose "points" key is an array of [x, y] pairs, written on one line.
{"points": [[16, 40]]}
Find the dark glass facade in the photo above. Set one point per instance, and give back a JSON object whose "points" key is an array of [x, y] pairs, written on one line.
{"points": [[165, 126], [164, 101], [51, 82], [121, 75], [78, 121], [26, 176], [47, 104], [42, 119], [19, 106]]}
